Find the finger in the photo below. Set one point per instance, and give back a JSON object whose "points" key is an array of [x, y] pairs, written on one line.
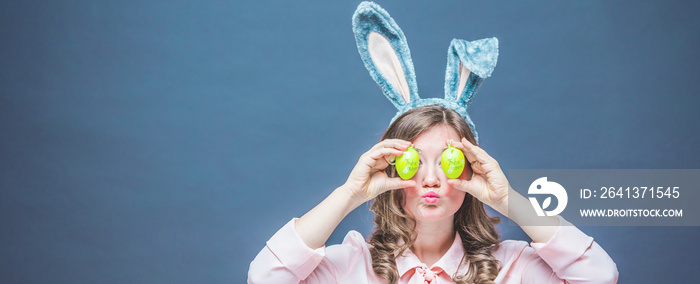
{"points": [[381, 164], [384, 157], [468, 186], [481, 152], [384, 152], [476, 159], [397, 144], [456, 183], [397, 183], [471, 156], [460, 184], [475, 152], [471, 188], [392, 143], [477, 168]]}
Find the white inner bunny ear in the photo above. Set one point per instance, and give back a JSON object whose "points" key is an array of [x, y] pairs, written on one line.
{"points": [[388, 63], [463, 76]]}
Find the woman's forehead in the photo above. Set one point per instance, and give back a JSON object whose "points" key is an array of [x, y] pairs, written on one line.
{"points": [[434, 138]]}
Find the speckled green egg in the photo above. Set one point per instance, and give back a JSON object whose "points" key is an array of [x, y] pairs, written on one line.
{"points": [[452, 161], [407, 164]]}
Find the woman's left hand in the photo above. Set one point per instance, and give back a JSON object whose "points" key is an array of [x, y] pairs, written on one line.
{"points": [[488, 183]]}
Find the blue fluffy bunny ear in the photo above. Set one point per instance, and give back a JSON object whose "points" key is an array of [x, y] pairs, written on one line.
{"points": [[384, 50], [468, 64]]}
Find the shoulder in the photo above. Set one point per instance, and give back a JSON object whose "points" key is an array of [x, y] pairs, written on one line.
{"points": [[518, 259], [355, 238], [353, 243], [518, 256], [569, 254], [352, 257], [353, 248], [509, 250]]}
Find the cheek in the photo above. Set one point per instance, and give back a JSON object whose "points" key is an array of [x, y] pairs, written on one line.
{"points": [[456, 199], [455, 194], [410, 194]]}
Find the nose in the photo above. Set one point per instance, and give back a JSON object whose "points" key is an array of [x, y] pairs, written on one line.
{"points": [[431, 179]]}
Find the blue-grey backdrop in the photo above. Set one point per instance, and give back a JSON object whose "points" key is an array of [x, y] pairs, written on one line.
{"points": [[166, 141]]}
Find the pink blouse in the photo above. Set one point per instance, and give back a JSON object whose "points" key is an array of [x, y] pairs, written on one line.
{"points": [[569, 257]]}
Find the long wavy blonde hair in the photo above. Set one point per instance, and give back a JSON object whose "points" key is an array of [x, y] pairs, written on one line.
{"points": [[475, 227]]}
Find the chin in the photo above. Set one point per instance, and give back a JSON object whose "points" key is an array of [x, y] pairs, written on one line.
{"points": [[431, 212]]}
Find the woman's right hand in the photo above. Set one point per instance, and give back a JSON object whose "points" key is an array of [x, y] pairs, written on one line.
{"points": [[368, 179]]}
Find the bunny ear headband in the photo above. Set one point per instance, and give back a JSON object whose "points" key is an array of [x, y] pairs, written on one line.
{"points": [[385, 52]]}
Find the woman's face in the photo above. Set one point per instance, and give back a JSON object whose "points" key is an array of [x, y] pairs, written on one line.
{"points": [[433, 198]]}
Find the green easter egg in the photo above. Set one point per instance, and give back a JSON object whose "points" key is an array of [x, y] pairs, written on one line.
{"points": [[407, 164], [452, 161]]}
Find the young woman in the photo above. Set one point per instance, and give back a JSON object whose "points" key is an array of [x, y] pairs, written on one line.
{"points": [[429, 229]]}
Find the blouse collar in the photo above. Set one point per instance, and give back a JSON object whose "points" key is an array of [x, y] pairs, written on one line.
{"points": [[449, 262]]}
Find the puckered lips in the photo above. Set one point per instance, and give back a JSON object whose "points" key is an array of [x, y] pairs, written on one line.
{"points": [[430, 197]]}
